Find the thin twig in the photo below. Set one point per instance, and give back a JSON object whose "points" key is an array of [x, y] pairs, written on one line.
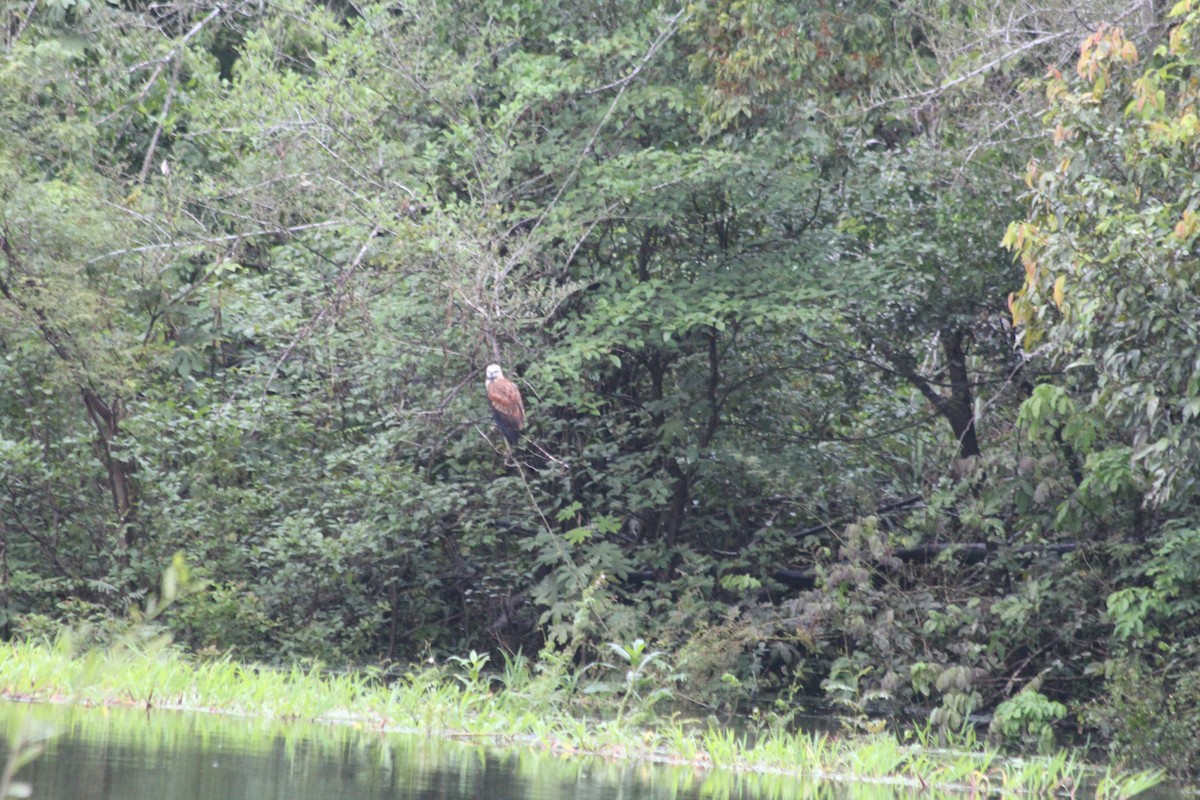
{"points": [[162, 121], [160, 62], [12, 37], [966, 76], [232, 237], [667, 32], [340, 285]]}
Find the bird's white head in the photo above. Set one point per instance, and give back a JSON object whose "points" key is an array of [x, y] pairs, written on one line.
{"points": [[493, 372]]}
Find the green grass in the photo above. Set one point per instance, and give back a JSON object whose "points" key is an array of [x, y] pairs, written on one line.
{"points": [[521, 708]]}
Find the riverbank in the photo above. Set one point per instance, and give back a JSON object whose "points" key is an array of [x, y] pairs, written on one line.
{"points": [[520, 706]]}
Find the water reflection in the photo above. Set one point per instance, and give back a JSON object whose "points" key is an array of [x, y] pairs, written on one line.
{"points": [[106, 754]]}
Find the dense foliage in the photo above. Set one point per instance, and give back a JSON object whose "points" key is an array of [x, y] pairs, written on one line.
{"points": [[748, 263]]}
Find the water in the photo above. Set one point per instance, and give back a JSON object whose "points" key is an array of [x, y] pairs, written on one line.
{"points": [[128, 754]]}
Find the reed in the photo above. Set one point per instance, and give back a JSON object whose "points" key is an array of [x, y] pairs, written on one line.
{"points": [[517, 707]]}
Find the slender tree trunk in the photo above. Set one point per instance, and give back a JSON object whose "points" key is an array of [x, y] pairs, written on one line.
{"points": [[105, 416], [654, 519], [684, 478], [958, 407], [680, 492], [6, 628], [957, 403]]}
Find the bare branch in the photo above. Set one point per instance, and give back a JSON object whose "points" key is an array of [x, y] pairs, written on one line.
{"points": [[339, 291], [201, 240], [162, 120]]}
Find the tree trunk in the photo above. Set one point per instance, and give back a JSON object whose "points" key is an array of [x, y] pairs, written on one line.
{"points": [[654, 518], [107, 418], [5, 628], [959, 406], [681, 492], [957, 403]]}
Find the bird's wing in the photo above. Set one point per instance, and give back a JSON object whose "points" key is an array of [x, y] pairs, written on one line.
{"points": [[505, 398]]}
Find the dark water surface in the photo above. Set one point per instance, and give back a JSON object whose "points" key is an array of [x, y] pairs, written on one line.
{"points": [[125, 754]]}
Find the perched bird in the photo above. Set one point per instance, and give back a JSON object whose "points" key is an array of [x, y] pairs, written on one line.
{"points": [[505, 399]]}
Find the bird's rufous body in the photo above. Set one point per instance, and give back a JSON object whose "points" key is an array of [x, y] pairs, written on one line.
{"points": [[505, 400]]}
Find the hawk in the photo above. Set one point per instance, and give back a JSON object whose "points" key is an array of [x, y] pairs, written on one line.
{"points": [[505, 399]]}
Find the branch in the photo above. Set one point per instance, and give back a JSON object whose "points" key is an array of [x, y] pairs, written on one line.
{"points": [[162, 120], [162, 62], [667, 32], [232, 237], [995, 62], [340, 284]]}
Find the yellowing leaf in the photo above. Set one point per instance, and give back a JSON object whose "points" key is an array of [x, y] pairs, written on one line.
{"points": [[1187, 225], [1177, 39], [1015, 310], [1059, 284]]}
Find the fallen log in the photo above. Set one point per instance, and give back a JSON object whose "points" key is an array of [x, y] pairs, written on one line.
{"points": [[968, 553]]}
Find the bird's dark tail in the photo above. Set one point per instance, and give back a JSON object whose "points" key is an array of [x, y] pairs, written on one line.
{"points": [[511, 432]]}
